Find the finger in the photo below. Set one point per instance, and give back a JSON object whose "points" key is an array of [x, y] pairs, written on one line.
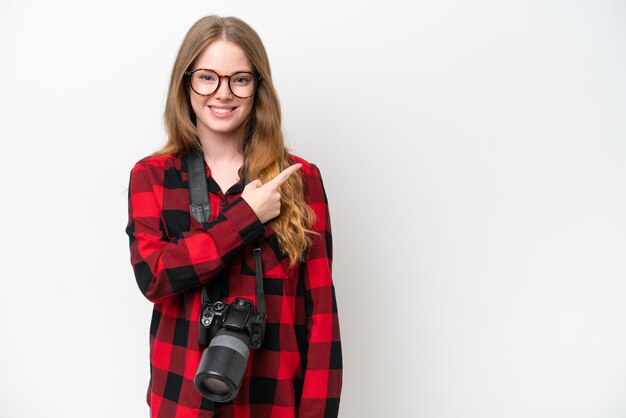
{"points": [[254, 184], [284, 175]]}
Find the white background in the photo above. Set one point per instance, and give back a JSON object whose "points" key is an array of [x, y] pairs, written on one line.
{"points": [[474, 156]]}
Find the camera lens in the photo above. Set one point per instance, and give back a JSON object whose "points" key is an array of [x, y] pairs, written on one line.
{"points": [[222, 365], [216, 386]]}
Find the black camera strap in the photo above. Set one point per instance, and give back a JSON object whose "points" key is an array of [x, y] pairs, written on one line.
{"points": [[260, 296], [200, 209]]}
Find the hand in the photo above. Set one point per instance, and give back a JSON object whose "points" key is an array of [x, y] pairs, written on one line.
{"points": [[264, 199]]}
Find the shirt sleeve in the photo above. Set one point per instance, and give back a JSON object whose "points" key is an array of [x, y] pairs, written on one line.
{"points": [[164, 267], [323, 375]]}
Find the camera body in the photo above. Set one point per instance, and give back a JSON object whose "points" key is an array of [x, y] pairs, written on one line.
{"points": [[238, 316]]}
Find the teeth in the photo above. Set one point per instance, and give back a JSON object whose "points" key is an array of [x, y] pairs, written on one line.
{"points": [[219, 110]]}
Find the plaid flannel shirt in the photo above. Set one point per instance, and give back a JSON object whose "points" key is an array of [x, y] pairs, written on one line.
{"points": [[298, 370]]}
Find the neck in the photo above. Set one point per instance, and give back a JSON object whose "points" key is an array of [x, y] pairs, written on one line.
{"points": [[221, 147]]}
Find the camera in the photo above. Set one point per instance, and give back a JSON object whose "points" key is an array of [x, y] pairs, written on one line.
{"points": [[228, 332]]}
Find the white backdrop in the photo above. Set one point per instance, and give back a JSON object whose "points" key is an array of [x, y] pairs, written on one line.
{"points": [[474, 156]]}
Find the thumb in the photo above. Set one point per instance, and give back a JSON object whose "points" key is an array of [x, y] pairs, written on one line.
{"points": [[255, 184]]}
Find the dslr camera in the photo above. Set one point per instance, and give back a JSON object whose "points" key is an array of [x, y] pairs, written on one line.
{"points": [[228, 332]]}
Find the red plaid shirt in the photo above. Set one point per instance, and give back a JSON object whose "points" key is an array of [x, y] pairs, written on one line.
{"points": [[298, 370]]}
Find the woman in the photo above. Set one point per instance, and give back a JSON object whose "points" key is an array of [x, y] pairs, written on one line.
{"points": [[221, 101]]}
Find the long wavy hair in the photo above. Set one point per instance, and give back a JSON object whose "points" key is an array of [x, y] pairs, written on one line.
{"points": [[264, 151]]}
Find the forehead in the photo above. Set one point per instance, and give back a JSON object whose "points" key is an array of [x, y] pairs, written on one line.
{"points": [[223, 57]]}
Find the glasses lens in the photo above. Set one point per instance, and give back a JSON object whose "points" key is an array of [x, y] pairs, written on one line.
{"points": [[243, 84], [204, 81]]}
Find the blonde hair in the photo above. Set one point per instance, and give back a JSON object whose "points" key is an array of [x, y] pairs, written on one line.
{"points": [[264, 151]]}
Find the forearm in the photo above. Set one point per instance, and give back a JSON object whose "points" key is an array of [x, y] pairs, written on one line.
{"points": [[164, 268]]}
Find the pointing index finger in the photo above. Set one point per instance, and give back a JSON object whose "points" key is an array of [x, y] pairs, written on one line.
{"points": [[284, 175]]}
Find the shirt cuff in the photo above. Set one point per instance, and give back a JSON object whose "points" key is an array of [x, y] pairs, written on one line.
{"points": [[245, 221]]}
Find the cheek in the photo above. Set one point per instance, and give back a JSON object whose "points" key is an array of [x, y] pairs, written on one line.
{"points": [[248, 111], [196, 104]]}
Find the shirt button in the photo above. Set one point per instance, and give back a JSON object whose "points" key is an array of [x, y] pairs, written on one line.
{"points": [[222, 203]]}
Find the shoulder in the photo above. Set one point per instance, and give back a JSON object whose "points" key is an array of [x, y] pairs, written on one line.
{"points": [[156, 166], [312, 180], [162, 162], [153, 170], [308, 168]]}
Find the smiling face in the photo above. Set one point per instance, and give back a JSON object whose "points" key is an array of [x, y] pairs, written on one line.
{"points": [[221, 114]]}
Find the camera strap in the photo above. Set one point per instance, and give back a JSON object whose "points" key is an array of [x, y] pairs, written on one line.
{"points": [[200, 209]]}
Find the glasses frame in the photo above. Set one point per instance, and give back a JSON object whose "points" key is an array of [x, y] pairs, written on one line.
{"points": [[189, 74]]}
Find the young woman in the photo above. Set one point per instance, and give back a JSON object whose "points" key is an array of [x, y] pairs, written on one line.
{"points": [[221, 102]]}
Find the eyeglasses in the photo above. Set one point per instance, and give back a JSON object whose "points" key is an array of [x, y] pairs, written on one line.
{"points": [[205, 82]]}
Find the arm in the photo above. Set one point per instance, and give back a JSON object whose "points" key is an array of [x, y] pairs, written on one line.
{"points": [[323, 375], [162, 267]]}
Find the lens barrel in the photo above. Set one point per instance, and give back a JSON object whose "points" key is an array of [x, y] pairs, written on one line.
{"points": [[223, 365]]}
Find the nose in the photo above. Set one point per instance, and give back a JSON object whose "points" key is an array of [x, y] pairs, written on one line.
{"points": [[223, 91]]}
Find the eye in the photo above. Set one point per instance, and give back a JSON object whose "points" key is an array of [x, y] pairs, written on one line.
{"points": [[242, 79], [206, 76]]}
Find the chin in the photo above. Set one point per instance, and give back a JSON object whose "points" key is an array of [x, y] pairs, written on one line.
{"points": [[222, 128], [225, 127]]}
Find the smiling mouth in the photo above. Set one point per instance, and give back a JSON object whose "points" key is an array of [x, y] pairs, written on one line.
{"points": [[221, 110]]}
